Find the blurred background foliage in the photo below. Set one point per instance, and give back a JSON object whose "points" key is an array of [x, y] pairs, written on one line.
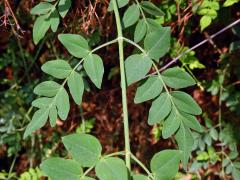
{"points": [[215, 66]]}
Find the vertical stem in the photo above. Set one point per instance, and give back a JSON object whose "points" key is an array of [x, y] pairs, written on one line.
{"points": [[123, 86]]}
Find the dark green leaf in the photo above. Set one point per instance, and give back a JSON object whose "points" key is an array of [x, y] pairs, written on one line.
{"points": [[94, 68], [76, 86], [191, 121], [157, 43], [41, 8], [54, 20], [61, 169], [75, 44], [39, 119], [137, 66], [84, 148], [160, 108], [164, 164], [149, 90], [140, 30], [186, 103], [47, 88], [120, 3], [177, 78], [171, 124], [62, 102], [185, 143], [57, 68], [131, 15], [151, 8], [63, 7], [111, 169]]}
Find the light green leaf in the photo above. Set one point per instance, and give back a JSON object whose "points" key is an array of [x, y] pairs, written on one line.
{"points": [[228, 3], [120, 3], [205, 21], [164, 164], [87, 178], [54, 20], [137, 66], [185, 103], [171, 124], [40, 27], [47, 88], [38, 120], [139, 177], [63, 7], [111, 168], [94, 68], [75, 44], [148, 90], [151, 8], [177, 78], [236, 174], [76, 86], [57, 68], [157, 43], [53, 115], [191, 121], [84, 148], [42, 102], [62, 102], [131, 15], [41, 8], [185, 143], [61, 169], [140, 30], [159, 110]]}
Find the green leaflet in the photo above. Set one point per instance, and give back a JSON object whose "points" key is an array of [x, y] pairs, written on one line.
{"points": [[47, 88], [42, 102], [54, 20], [150, 8], [177, 78], [61, 169], [111, 168], [205, 21], [41, 8], [171, 124], [148, 90], [84, 148], [53, 115], [164, 164], [94, 68], [185, 143], [137, 66], [38, 120], [57, 68], [157, 43], [191, 121], [185, 102], [120, 3], [131, 15], [62, 102], [160, 108], [139, 177], [40, 27], [152, 25], [76, 86], [140, 30], [63, 7], [75, 44]]}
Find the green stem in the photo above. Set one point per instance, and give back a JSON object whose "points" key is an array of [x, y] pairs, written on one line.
{"points": [[115, 154], [142, 166], [123, 86]]}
